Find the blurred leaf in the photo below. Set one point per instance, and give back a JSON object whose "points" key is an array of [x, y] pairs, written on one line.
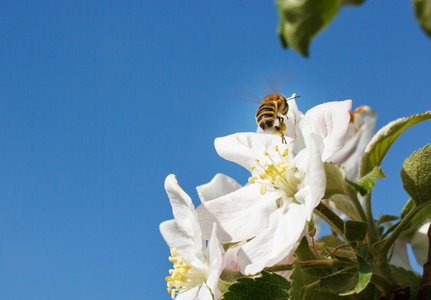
{"points": [[407, 208], [300, 21], [386, 218], [303, 251], [268, 286], [421, 217], [297, 278], [383, 140], [366, 184], [352, 2], [338, 282], [342, 203], [300, 279], [348, 281], [416, 175], [331, 241], [418, 220], [355, 230], [423, 14], [353, 280], [363, 277], [336, 181], [328, 243], [407, 278]]}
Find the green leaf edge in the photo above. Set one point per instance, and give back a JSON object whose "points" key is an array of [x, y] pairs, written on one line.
{"points": [[374, 153]]}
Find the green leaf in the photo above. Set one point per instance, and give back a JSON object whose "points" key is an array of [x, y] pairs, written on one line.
{"points": [[268, 286], [355, 230], [407, 278], [223, 286], [386, 218], [331, 241], [418, 220], [416, 175], [363, 277], [297, 277], [300, 21], [423, 14], [352, 2], [338, 282], [301, 277], [342, 203], [336, 181], [421, 217], [366, 183], [407, 208], [348, 281], [328, 243], [303, 251], [384, 138]]}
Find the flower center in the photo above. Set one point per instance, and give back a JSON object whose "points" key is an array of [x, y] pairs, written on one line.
{"points": [[183, 276], [279, 175]]}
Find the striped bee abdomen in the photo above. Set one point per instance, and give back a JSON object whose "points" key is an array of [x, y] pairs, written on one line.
{"points": [[266, 114]]}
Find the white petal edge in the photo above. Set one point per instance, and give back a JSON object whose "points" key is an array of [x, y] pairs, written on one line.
{"points": [[420, 244], [219, 186], [186, 247], [216, 263], [330, 121], [286, 227], [239, 215]]}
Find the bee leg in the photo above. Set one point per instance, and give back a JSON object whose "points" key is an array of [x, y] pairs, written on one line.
{"points": [[283, 139], [281, 133], [280, 129]]}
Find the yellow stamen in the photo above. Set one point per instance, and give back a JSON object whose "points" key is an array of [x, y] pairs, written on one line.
{"points": [[184, 276], [252, 179], [279, 174]]}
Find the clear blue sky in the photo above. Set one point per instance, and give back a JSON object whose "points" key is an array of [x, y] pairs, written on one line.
{"points": [[101, 100]]}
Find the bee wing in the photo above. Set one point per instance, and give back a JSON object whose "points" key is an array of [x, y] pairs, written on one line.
{"points": [[245, 95], [277, 83]]}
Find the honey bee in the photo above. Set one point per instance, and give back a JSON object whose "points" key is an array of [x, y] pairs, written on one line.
{"points": [[272, 107]]}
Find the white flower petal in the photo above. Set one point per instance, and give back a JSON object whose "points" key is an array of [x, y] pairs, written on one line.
{"points": [[330, 121], [400, 257], [314, 185], [192, 294], [205, 293], [278, 240], [239, 215], [185, 214], [420, 244], [186, 247], [182, 207], [231, 259], [294, 116], [216, 252], [359, 133], [219, 186], [245, 148]]}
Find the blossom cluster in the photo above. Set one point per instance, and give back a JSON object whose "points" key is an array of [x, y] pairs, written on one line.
{"points": [[248, 228]]}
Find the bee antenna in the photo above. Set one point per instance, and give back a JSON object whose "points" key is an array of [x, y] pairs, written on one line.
{"points": [[291, 98]]}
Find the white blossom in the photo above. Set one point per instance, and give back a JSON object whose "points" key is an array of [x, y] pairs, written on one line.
{"points": [[287, 183], [197, 268]]}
